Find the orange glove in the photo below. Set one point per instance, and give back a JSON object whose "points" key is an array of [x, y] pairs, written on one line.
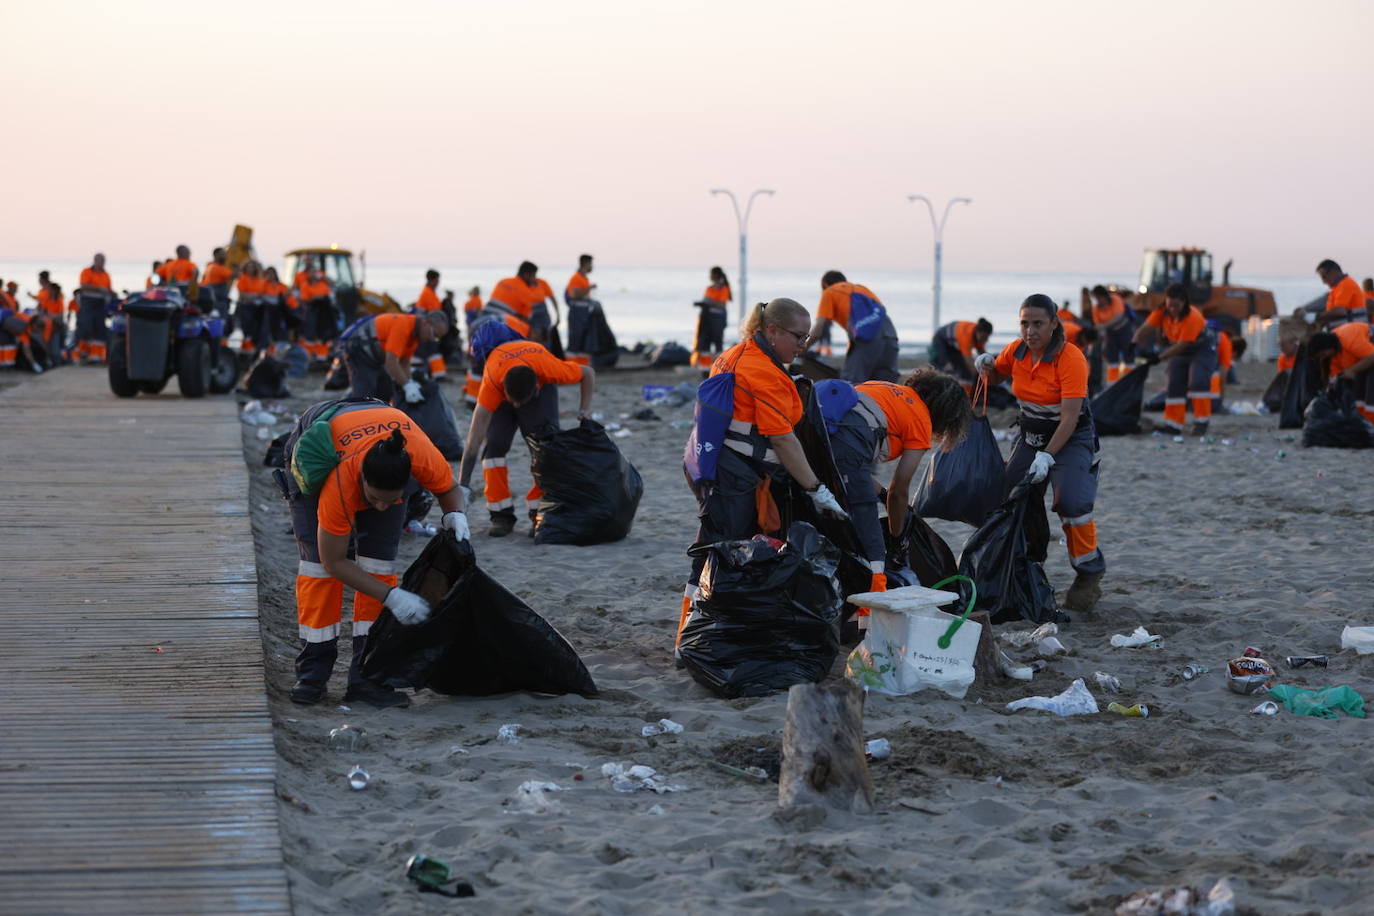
{"points": [[877, 584]]}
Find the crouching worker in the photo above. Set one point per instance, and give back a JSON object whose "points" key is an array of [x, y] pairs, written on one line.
{"points": [[378, 350], [1192, 356], [1056, 438], [877, 422], [1348, 355], [520, 382], [759, 444], [955, 345], [348, 529]]}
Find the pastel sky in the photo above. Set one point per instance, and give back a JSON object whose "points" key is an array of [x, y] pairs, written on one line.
{"points": [[488, 132]]}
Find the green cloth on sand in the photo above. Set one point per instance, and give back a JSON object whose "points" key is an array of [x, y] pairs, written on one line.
{"points": [[1326, 703]]}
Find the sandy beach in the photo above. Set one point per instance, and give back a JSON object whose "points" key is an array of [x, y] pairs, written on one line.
{"points": [[1215, 547]]}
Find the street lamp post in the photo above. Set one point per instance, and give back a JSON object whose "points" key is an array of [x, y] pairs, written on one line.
{"points": [[939, 229], [742, 219]]}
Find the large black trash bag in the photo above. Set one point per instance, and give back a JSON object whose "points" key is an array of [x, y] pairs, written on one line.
{"points": [[266, 378], [1304, 382], [928, 556], [768, 615], [336, 379], [479, 639], [600, 340], [436, 419], [1004, 559], [1333, 421], [591, 491], [1116, 411], [1272, 399], [965, 484]]}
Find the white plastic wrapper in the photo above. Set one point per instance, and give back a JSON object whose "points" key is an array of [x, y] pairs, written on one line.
{"points": [[1076, 701]]}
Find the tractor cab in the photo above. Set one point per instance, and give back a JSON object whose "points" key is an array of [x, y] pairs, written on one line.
{"points": [[1190, 266], [349, 294], [1231, 305]]}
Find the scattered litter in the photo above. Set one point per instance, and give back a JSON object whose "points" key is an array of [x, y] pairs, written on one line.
{"points": [[663, 727], [645, 413], [655, 393], [509, 734], [419, 529], [457, 749], [1249, 675], [612, 427], [620, 433], [1245, 409], [254, 414], [264, 433], [347, 738], [1327, 703], [345, 709], [1075, 701], [1019, 639], [431, 875], [1180, 901], [656, 810], [1140, 637], [1012, 670], [1194, 671], [1178, 438], [358, 779], [682, 424], [1049, 647], [157, 649], [1267, 708], [682, 394], [1306, 661], [1107, 682], [1361, 639], [877, 749], [753, 774], [634, 778], [1136, 711], [598, 416], [535, 797]]}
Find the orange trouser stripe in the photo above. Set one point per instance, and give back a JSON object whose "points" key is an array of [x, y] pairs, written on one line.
{"points": [[682, 619], [319, 602], [1081, 539], [366, 608], [1216, 384], [98, 350], [1176, 414], [1113, 373], [1202, 408], [437, 368], [496, 480]]}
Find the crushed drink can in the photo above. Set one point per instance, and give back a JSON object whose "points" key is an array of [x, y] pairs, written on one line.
{"points": [[1190, 672], [1267, 708], [1249, 675], [1137, 711], [1306, 661], [1252, 652]]}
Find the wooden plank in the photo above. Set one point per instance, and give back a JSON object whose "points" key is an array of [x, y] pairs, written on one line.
{"points": [[132, 781]]}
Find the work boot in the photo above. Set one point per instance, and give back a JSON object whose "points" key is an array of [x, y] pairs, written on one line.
{"points": [[1084, 593], [502, 524], [307, 693], [1200, 428], [378, 696]]}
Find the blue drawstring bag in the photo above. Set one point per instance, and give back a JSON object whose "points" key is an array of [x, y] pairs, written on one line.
{"points": [[866, 316], [715, 409]]}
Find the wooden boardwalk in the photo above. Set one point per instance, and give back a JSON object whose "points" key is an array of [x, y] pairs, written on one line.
{"points": [[131, 780]]}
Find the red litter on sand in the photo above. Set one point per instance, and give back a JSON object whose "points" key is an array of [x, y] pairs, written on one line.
{"points": [[157, 649]]}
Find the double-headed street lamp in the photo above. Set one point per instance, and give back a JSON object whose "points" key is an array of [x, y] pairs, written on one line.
{"points": [[939, 229], [743, 220]]}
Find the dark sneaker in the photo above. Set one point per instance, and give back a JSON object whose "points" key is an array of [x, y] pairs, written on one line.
{"points": [[307, 693], [501, 525], [376, 695], [1200, 428], [1084, 593]]}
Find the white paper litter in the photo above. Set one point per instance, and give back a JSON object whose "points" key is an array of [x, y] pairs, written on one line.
{"points": [[1138, 637], [1076, 701]]}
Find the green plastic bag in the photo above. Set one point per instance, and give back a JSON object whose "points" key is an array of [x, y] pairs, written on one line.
{"points": [[314, 456], [1326, 703]]}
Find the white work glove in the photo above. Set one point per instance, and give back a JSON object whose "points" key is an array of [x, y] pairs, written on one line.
{"points": [[825, 502], [456, 522], [467, 496], [408, 607], [984, 363], [412, 392], [1040, 466]]}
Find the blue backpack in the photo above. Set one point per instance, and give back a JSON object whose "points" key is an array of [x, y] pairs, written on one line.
{"points": [[866, 316], [489, 335], [836, 397], [714, 410]]}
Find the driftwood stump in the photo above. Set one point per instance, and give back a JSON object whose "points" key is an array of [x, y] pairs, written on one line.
{"points": [[823, 748], [985, 667]]}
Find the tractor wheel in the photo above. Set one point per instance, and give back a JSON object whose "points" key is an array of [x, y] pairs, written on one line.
{"points": [[193, 368], [119, 369], [225, 371]]}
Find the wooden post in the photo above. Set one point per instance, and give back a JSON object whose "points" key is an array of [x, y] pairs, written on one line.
{"points": [[985, 665], [823, 748]]}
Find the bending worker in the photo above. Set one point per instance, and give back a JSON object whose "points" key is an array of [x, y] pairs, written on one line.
{"points": [[358, 506], [378, 351], [1056, 438], [1349, 356], [877, 422], [1113, 325], [711, 320], [520, 382], [872, 352], [956, 344], [1192, 356], [760, 444]]}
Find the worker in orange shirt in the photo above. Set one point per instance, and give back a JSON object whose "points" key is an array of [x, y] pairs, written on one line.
{"points": [[54, 325], [1112, 322], [955, 345], [249, 312], [872, 352], [1226, 351], [8, 296], [1348, 356], [873, 423], [217, 279], [40, 299], [180, 271], [511, 299], [711, 319], [93, 299], [429, 301], [378, 350], [1368, 287], [761, 443], [1192, 357], [279, 310], [16, 350], [577, 296], [520, 382], [320, 322], [473, 306], [1345, 301], [1056, 440], [348, 533]]}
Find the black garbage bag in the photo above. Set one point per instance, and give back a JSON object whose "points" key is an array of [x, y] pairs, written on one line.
{"points": [[336, 379], [768, 615], [479, 639], [1004, 559], [600, 340], [266, 378], [928, 556], [965, 484], [1000, 397], [275, 457], [1272, 399], [591, 491], [1304, 382], [436, 419], [670, 354], [1116, 411], [1333, 420], [418, 503], [1155, 403]]}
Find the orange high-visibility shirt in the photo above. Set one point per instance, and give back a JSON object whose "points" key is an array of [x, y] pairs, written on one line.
{"points": [[717, 292], [1287, 361], [428, 301], [215, 274], [908, 418], [835, 302], [577, 281], [356, 431], [1224, 351], [314, 289], [963, 337], [516, 295], [1355, 346], [541, 290], [274, 289], [250, 286], [1048, 381], [397, 334], [1187, 328], [179, 271], [765, 396], [1346, 294], [1072, 330], [1111, 313], [92, 277], [474, 304], [52, 305], [548, 369]]}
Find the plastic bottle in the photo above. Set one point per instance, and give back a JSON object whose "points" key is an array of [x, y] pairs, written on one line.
{"points": [[1107, 682], [347, 738]]}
